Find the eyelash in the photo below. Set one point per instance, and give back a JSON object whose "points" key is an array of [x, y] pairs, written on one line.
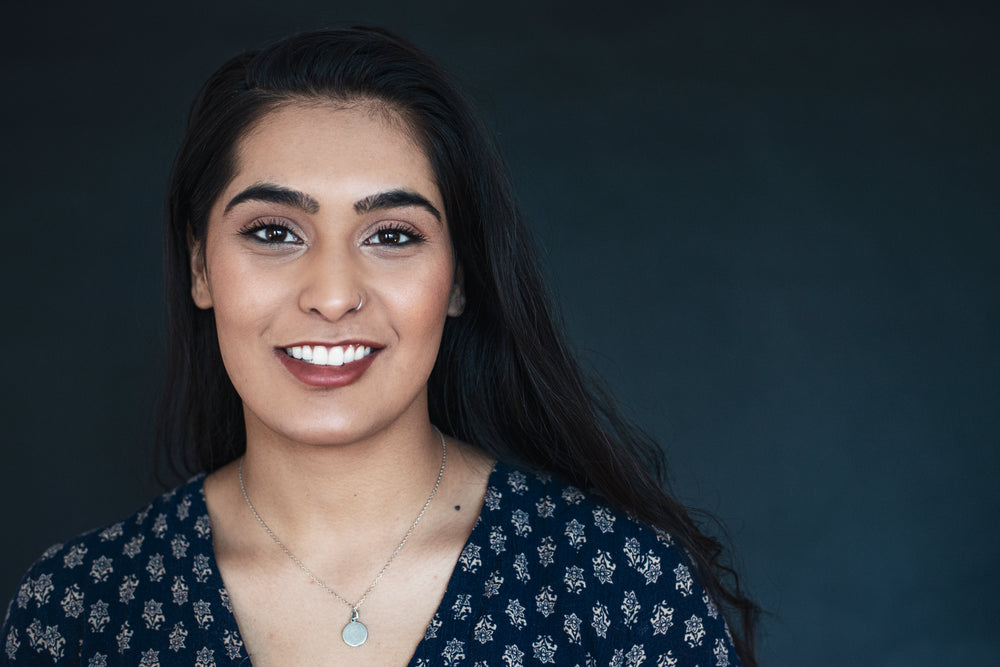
{"points": [[253, 230], [412, 235]]}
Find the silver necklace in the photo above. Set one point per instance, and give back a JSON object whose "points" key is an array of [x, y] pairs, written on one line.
{"points": [[355, 633]]}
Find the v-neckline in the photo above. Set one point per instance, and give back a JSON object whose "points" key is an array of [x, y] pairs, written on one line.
{"points": [[454, 584]]}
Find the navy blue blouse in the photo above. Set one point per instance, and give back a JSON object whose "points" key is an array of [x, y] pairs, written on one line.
{"points": [[549, 575]]}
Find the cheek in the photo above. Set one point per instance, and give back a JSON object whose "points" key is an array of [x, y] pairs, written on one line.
{"points": [[244, 299]]}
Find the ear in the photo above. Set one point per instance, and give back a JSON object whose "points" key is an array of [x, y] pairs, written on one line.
{"points": [[456, 301], [199, 273]]}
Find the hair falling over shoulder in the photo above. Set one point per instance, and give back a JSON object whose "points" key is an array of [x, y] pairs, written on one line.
{"points": [[505, 379]]}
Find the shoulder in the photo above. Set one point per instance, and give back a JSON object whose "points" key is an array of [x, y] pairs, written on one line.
{"points": [[625, 583], [84, 581]]}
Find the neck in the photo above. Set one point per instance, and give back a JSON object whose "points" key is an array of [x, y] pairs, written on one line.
{"points": [[382, 479]]}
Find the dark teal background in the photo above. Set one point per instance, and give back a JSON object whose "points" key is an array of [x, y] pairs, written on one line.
{"points": [[775, 229]]}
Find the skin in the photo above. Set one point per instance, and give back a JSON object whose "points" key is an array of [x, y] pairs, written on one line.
{"points": [[338, 473]]}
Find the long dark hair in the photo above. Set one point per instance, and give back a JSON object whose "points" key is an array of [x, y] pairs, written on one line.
{"points": [[505, 379]]}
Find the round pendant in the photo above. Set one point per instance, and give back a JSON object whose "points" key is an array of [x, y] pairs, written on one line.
{"points": [[355, 633]]}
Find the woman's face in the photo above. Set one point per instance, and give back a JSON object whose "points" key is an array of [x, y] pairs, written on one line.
{"points": [[329, 207]]}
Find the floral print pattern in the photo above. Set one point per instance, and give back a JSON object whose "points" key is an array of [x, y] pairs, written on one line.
{"points": [[549, 576]]}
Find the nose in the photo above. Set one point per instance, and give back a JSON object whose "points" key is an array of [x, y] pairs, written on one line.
{"points": [[331, 284]]}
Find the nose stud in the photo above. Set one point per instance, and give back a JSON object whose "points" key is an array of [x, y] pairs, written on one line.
{"points": [[361, 302]]}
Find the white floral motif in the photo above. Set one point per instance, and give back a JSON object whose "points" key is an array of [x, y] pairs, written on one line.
{"points": [[544, 650], [498, 540], [433, 627], [545, 507], [492, 587], [152, 614], [133, 547], [469, 560], [51, 551], [515, 611], [663, 618], [484, 629], [571, 625], [203, 614], [630, 608], [126, 591], [667, 660], [521, 568], [517, 481], [602, 620], [202, 570], [617, 658], [41, 588], [574, 531], [604, 566], [572, 495], [604, 520], [713, 612], [224, 598], [184, 508], [453, 652], [72, 602], [694, 631], [545, 601], [663, 536], [721, 653], [203, 527], [546, 551], [100, 569], [521, 521], [47, 639], [112, 532], [179, 546], [461, 609], [12, 644], [74, 557], [150, 658], [99, 616], [124, 637], [633, 552], [140, 518], [24, 594], [574, 580], [99, 660], [492, 499], [155, 567], [180, 590], [513, 656], [205, 658], [685, 583], [177, 637], [635, 656], [233, 644], [159, 528], [649, 567]]}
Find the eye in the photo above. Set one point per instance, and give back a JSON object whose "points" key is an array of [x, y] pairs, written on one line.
{"points": [[272, 233], [392, 235]]}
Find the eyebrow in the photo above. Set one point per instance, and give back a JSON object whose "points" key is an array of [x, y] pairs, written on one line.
{"points": [[275, 194], [395, 199]]}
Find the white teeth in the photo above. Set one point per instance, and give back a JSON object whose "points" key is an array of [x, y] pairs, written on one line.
{"points": [[320, 355], [337, 355]]}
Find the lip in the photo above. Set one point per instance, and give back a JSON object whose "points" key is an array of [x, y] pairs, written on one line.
{"points": [[328, 376]]}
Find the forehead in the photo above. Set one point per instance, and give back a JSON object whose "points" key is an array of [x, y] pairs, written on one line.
{"points": [[331, 149]]}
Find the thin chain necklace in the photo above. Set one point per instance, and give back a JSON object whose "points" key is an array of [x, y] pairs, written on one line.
{"points": [[355, 633]]}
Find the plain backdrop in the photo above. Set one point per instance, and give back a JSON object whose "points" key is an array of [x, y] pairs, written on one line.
{"points": [[773, 228]]}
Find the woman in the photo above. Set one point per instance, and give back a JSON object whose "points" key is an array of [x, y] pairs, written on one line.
{"points": [[364, 364]]}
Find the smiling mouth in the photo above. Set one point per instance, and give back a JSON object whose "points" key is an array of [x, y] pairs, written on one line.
{"points": [[320, 355]]}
